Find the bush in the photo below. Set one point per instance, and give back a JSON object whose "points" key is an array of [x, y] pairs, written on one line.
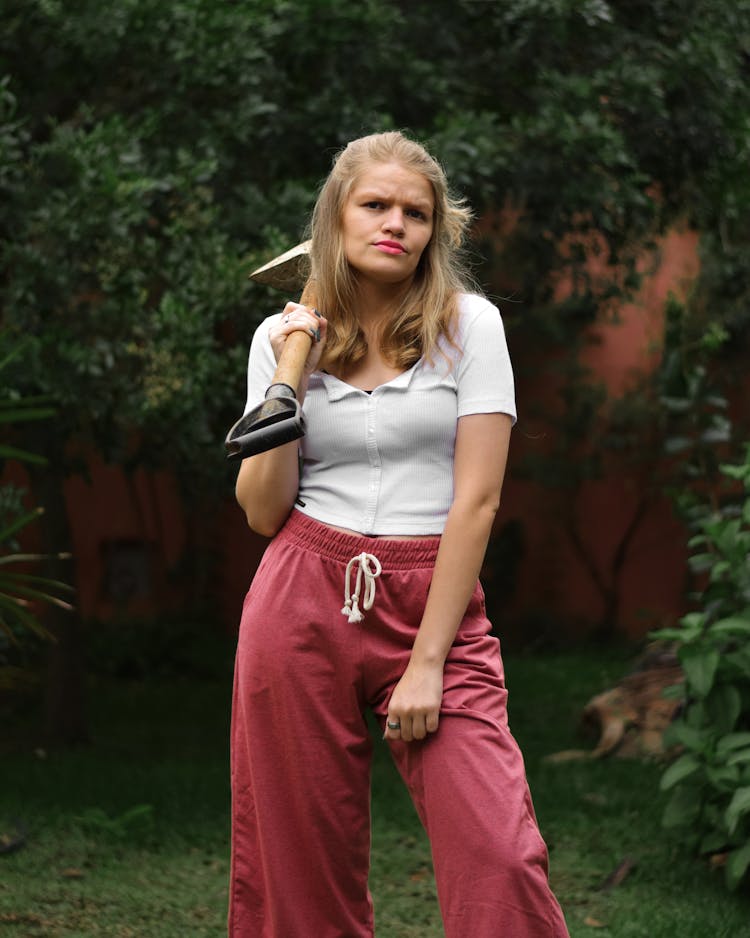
{"points": [[710, 781], [21, 592]]}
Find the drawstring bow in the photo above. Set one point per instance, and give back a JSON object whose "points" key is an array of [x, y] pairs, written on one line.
{"points": [[368, 568]]}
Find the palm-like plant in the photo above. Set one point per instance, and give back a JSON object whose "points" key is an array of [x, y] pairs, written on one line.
{"points": [[20, 591]]}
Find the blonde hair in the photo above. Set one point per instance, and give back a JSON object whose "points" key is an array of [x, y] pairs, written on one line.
{"points": [[429, 307]]}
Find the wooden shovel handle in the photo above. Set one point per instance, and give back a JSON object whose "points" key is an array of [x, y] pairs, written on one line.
{"points": [[291, 365]]}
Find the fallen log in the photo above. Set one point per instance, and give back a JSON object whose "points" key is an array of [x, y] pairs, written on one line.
{"points": [[629, 720]]}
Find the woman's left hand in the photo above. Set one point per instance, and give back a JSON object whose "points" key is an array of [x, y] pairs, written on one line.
{"points": [[415, 703]]}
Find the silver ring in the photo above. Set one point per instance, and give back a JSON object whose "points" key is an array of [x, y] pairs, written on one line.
{"points": [[394, 726]]}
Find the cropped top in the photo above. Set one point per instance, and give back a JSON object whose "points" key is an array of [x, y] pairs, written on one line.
{"points": [[382, 462]]}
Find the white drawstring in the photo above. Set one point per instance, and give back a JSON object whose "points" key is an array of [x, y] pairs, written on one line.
{"points": [[369, 565]]}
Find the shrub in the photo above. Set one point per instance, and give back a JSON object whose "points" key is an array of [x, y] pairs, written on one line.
{"points": [[20, 592], [710, 781]]}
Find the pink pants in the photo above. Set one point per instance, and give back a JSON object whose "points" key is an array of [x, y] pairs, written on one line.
{"points": [[301, 749]]}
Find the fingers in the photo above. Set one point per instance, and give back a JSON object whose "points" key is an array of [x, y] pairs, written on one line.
{"points": [[297, 317], [392, 728], [410, 727], [414, 705]]}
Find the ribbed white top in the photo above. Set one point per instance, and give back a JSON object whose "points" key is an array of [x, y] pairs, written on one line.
{"points": [[382, 463]]}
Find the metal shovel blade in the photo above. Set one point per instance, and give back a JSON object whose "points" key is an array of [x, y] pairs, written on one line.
{"points": [[272, 423], [288, 271]]}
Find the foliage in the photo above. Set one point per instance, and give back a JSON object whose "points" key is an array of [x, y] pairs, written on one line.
{"points": [[19, 590], [133, 824], [694, 411], [119, 282], [161, 144], [710, 781]]}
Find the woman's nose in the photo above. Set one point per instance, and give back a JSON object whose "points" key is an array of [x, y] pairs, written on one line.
{"points": [[394, 220]]}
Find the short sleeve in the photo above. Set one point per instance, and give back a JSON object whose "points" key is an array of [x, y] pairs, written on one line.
{"points": [[261, 364], [484, 373]]}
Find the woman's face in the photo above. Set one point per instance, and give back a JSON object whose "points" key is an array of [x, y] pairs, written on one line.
{"points": [[387, 222]]}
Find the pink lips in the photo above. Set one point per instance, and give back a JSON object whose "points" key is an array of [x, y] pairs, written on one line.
{"points": [[390, 247]]}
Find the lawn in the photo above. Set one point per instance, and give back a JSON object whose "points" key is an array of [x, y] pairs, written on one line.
{"points": [[130, 837]]}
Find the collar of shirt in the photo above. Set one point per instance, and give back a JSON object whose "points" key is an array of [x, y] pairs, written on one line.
{"points": [[337, 389]]}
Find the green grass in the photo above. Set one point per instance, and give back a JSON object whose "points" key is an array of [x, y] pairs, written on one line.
{"points": [[97, 864]]}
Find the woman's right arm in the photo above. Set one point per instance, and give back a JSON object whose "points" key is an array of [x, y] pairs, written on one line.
{"points": [[267, 487], [267, 484]]}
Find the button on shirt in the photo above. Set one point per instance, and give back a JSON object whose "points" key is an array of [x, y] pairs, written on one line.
{"points": [[382, 463]]}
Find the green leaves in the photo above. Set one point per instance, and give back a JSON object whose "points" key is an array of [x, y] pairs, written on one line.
{"points": [[16, 409], [20, 591], [700, 669], [710, 781], [121, 277], [737, 866], [685, 766], [739, 807]]}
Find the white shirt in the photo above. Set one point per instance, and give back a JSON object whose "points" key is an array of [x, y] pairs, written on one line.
{"points": [[382, 463]]}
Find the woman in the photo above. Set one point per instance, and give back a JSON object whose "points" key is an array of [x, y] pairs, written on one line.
{"points": [[386, 507]]}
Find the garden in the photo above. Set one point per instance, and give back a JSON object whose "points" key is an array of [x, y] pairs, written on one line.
{"points": [[152, 154]]}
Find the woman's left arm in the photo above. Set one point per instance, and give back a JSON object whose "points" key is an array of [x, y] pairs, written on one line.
{"points": [[478, 469]]}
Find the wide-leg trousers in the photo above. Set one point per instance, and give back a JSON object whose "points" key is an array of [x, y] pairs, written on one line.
{"points": [[301, 751]]}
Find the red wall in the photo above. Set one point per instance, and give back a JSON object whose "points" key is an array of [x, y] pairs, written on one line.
{"points": [[553, 576], [121, 525]]}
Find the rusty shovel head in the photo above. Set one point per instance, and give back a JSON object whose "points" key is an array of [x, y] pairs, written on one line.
{"points": [[275, 421], [288, 271]]}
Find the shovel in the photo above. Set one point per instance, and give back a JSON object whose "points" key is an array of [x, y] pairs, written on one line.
{"points": [[279, 418]]}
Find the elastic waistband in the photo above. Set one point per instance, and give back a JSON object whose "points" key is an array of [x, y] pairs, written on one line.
{"points": [[313, 535]]}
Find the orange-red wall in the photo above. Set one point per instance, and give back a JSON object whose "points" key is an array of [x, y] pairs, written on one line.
{"points": [[554, 580]]}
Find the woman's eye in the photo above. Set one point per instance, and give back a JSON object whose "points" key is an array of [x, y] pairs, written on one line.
{"points": [[374, 204], [416, 213]]}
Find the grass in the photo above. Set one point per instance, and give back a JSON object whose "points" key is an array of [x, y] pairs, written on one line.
{"points": [[129, 838]]}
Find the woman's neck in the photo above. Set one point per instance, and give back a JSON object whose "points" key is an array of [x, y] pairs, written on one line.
{"points": [[376, 303]]}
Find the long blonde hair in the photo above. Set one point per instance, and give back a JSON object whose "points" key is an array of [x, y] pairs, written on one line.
{"points": [[429, 306]]}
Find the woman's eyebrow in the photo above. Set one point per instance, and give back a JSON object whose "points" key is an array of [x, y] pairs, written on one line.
{"points": [[374, 195]]}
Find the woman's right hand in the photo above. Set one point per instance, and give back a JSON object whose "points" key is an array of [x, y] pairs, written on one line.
{"points": [[296, 317]]}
